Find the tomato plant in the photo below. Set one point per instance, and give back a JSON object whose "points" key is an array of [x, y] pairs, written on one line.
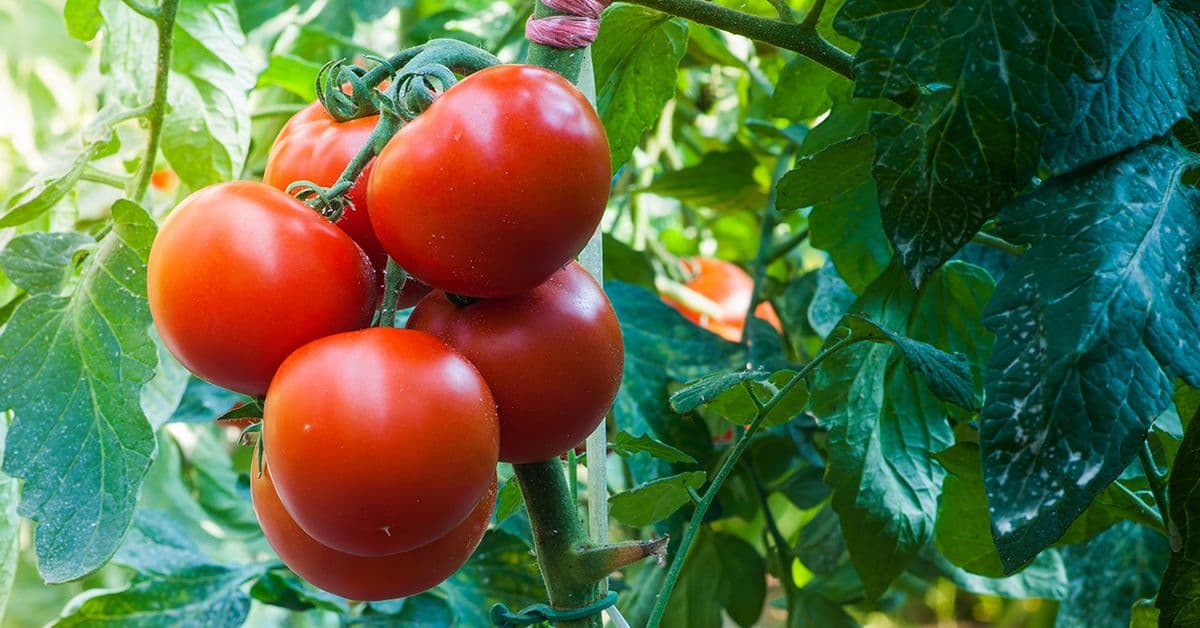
{"points": [[241, 275], [492, 205], [528, 348], [380, 440], [314, 147], [366, 578], [970, 228]]}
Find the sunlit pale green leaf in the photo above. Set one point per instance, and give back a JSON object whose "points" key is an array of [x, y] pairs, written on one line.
{"points": [[71, 369]]}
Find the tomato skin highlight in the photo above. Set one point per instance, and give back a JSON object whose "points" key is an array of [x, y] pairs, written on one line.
{"points": [[366, 578], [241, 274], [496, 186], [380, 440], [728, 286], [552, 357], [312, 146]]}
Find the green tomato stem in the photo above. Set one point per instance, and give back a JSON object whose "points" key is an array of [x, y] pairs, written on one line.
{"points": [[164, 20], [766, 239], [714, 487]]}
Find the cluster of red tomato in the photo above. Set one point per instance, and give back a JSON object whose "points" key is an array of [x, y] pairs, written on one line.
{"points": [[380, 445]]}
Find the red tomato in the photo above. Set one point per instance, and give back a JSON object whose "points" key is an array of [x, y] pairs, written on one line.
{"points": [[366, 578], [729, 287], [242, 274], [380, 440], [495, 186], [314, 147], [552, 357]]}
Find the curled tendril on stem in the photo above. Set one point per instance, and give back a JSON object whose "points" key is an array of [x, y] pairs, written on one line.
{"points": [[330, 202]]}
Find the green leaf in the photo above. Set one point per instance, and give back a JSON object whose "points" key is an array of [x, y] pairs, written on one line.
{"points": [[636, 57], [40, 262], [295, 74], [821, 177], [802, 91], [71, 370], [83, 18], [821, 545], [655, 500], [625, 445], [1044, 578], [830, 301], [699, 597], [286, 590], [1090, 339], [723, 180], [809, 608], [704, 390], [174, 584], [206, 131], [848, 227], [947, 375], [161, 395], [508, 500], [502, 569], [1144, 614], [1179, 593], [963, 531], [10, 526], [1109, 574], [1010, 73], [624, 263], [427, 609], [885, 423], [661, 347], [46, 189]]}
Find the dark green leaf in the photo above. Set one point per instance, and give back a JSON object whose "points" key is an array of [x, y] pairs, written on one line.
{"points": [[723, 180], [286, 590], [947, 375], [1109, 574], [655, 500], [699, 597], [636, 57], [1090, 339], [836, 170], [203, 402], [71, 369], [963, 531], [704, 390], [625, 445], [821, 546], [848, 227], [39, 262], [1011, 71], [884, 422], [830, 302], [661, 347], [427, 609], [174, 584], [623, 263], [1044, 578], [502, 569], [1179, 595]]}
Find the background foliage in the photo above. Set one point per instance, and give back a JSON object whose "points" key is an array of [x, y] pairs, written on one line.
{"points": [[1002, 200]]}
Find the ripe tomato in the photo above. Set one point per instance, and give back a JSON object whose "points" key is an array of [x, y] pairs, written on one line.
{"points": [[729, 287], [242, 274], [312, 146], [495, 186], [366, 578], [552, 357], [380, 440]]}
